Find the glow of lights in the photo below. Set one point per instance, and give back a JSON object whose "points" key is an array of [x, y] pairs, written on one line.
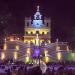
{"points": [[5, 46], [46, 52], [37, 52], [15, 55], [49, 41], [11, 39], [18, 38], [45, 44], [43, 30], [5, 39], [28, 51], [17, 47], [39, 30], [27, 59], [2, 56], [28, 32], [37, 23], [37, 40], [59, 55], [33, 41], [25, 40], [28, 41], [47, 59]]}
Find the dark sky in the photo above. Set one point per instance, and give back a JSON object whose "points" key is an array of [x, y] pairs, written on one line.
{"points": [[62, 13]]}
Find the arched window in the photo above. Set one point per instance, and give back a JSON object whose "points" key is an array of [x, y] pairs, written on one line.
{"points": [[42, 33], [26, 32], [31, 32]]}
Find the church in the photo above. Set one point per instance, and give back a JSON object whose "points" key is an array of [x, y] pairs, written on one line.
{"points": [[37, 29], [36, 44]]}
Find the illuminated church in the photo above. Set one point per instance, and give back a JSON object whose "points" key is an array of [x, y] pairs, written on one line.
{"points": [[37, 30], [36, 44]]}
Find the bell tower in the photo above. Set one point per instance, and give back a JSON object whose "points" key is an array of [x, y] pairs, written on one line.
{"points": [[38, 25]]}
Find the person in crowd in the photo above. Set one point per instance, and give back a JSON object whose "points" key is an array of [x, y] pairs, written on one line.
{"points": [[8, 72]]}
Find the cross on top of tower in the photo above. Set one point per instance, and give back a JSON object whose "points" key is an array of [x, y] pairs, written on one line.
{"points": [[38, 8]]}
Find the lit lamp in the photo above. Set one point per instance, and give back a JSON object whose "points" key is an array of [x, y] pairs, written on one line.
{"points": [[46, 52], [28, 51], [27, 59], [59, 55], [2, 56], [17, 47], [46, 56], [47, 59], [37, 40], [5, 46], [11, 39], [15, 55]]}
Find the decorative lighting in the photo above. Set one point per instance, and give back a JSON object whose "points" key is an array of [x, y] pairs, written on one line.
{"points": [[49, 41], [18, 38], [2, 56], [28, 51], [37, 52], [59, 55], [27, 59], [17, 47], [15, 55], [5, 46], [46, 52], [11, 39], [47, 59], [37, 40]]}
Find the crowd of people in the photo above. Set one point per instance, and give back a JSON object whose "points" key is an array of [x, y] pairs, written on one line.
{"points": [[23, 69]]}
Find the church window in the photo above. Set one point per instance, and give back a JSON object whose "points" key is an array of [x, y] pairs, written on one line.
{"points": [[31, 32], [26, 32], [43, 33]]}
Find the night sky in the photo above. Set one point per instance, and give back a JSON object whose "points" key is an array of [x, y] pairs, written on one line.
{"points": [[61, 12]]}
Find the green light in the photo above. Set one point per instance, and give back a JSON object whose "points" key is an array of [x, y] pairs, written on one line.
{"points": [[69, 56], [28, 60]]}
